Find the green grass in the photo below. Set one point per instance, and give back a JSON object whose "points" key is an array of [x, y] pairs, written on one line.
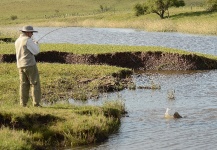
{"points": [[191, 19], [51, 8], [194, 2], [59, 81], [99, 49], [58, 126], [40, 8], [59, 123], [15, 139]]}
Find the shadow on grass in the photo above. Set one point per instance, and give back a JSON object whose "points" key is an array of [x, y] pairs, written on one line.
{"points": [[191, 14]]}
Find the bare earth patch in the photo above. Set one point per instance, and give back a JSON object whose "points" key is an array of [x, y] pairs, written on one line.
{"points": [[134, 60]]}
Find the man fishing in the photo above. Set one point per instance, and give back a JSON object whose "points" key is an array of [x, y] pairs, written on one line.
{"points": [[26, 49]]}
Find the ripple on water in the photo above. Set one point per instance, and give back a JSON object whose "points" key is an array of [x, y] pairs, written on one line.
{"points": [[115, 36], [146, 128]]}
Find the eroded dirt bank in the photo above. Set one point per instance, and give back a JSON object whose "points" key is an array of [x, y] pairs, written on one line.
{"points": [[135, 60]]}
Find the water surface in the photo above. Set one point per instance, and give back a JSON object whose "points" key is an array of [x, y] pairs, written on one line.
{"points": [[114, 36], [146, 128]]}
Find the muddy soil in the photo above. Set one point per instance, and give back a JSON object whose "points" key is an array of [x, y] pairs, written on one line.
{"points": [[134, 60]]}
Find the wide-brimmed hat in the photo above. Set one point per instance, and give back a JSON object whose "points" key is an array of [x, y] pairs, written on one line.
{"points": [[28, 29]]}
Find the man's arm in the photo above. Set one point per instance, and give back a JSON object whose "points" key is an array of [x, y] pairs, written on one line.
{"points": [[32, 46]]}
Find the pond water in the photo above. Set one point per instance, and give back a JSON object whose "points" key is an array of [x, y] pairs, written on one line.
{"points": [[78, 35], [146, 128]]}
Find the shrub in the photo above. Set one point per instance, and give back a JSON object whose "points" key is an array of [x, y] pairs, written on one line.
{"points": [[13, 17], [211, 5], [140, 9], [104, 8]]}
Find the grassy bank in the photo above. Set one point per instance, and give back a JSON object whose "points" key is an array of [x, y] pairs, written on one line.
{"points": [[190, 19], [57, 127], [60, 124], [61, 81], [99, 49]]}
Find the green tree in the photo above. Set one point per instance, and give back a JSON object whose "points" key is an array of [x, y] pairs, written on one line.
{"points": [[211, 5], [160, 6], [140, 9]]}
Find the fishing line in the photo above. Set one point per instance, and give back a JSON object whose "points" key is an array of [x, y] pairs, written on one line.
{"points": [[50, 32], [105, 35], [65, 27]]}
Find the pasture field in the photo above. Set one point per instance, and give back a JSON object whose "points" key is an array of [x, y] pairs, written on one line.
{"points": [[193, 18]]}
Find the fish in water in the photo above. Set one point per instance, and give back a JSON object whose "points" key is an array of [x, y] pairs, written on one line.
{"points": [[176, 115]]}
